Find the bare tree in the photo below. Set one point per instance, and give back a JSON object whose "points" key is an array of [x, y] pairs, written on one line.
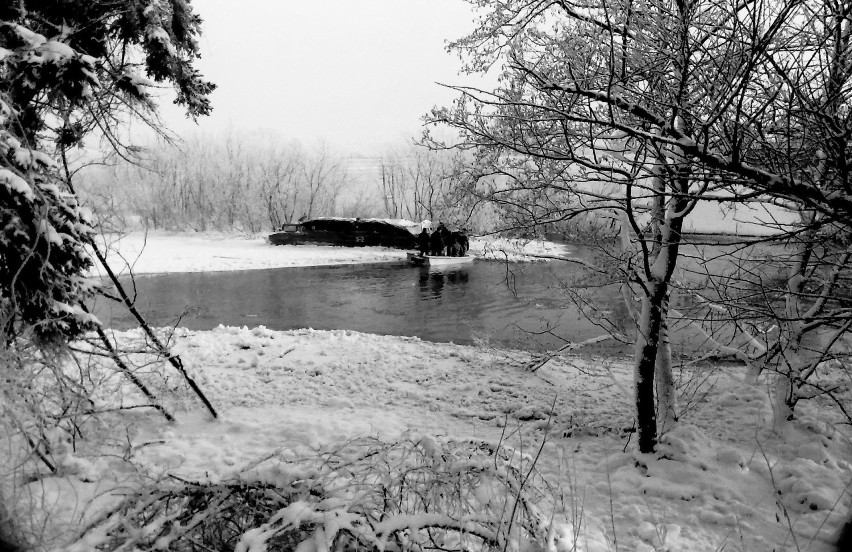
{"points": [[324, 176], [277, 179], [419, 184], [640, 110], [781, 306], [395, 186], [228, 182]]}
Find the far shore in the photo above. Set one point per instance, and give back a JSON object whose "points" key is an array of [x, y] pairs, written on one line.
{"points": [[160, 252]]}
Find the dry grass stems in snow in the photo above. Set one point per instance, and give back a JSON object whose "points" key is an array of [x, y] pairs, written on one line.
{"points": [[417, 493]]}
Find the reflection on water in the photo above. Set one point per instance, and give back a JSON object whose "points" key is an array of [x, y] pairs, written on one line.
{"points": [[432, 281], [518, 305]]}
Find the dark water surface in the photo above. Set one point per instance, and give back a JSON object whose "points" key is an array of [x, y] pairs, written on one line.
{"points": [[502, 304]]}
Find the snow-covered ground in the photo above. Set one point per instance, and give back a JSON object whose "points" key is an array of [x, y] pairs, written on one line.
{"points": [[159, 252], [720, 481]]}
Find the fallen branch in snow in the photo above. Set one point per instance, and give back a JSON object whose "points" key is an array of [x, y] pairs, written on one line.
{"points": [[539, 362], [717, 347], [129, 303], [573, 260], [615, 381], [161, 348], [112, 353]]}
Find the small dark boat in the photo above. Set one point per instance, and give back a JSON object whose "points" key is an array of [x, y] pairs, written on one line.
{"points": [[348, 232]]}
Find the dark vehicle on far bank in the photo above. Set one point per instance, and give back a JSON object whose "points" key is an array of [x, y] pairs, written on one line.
{"points": [[349, 232]]}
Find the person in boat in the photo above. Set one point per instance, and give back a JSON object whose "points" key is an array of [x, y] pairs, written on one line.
{"points": [[423, 242], [464, 242], [453, 245], [457, 243], [436, 240]]}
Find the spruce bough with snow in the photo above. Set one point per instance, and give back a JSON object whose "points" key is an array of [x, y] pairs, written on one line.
{"points": [[67, 70]]}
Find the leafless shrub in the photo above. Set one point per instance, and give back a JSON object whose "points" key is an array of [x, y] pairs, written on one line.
{"points": [[413, 494]]}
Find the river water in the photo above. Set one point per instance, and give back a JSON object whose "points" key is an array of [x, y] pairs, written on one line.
{"points": [[519, 305]]}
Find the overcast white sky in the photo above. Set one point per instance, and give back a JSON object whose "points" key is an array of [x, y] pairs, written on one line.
{"points": [[357, 74]]}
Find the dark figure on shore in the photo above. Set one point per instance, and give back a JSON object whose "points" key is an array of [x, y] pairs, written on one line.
{"points": [[423, 242]]}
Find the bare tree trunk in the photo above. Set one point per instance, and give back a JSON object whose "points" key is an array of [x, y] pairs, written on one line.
{"points": [[665, 384], [791, 360], [645, 361]]}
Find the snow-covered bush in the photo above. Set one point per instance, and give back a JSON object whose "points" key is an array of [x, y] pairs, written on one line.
{"points": [[41, 247], [413, 494], [43, 227], [67, 70], [61, 76]]}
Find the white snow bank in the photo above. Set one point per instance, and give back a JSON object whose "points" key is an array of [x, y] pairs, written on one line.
{"points": [[515, 249], [161, 252]]}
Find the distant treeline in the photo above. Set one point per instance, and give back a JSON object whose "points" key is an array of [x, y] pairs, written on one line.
{"points": [[255, 184], [227, 183]]}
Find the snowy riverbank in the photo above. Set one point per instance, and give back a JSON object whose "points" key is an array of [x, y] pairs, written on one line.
{"points": [[159, 252], [720, 481]]}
